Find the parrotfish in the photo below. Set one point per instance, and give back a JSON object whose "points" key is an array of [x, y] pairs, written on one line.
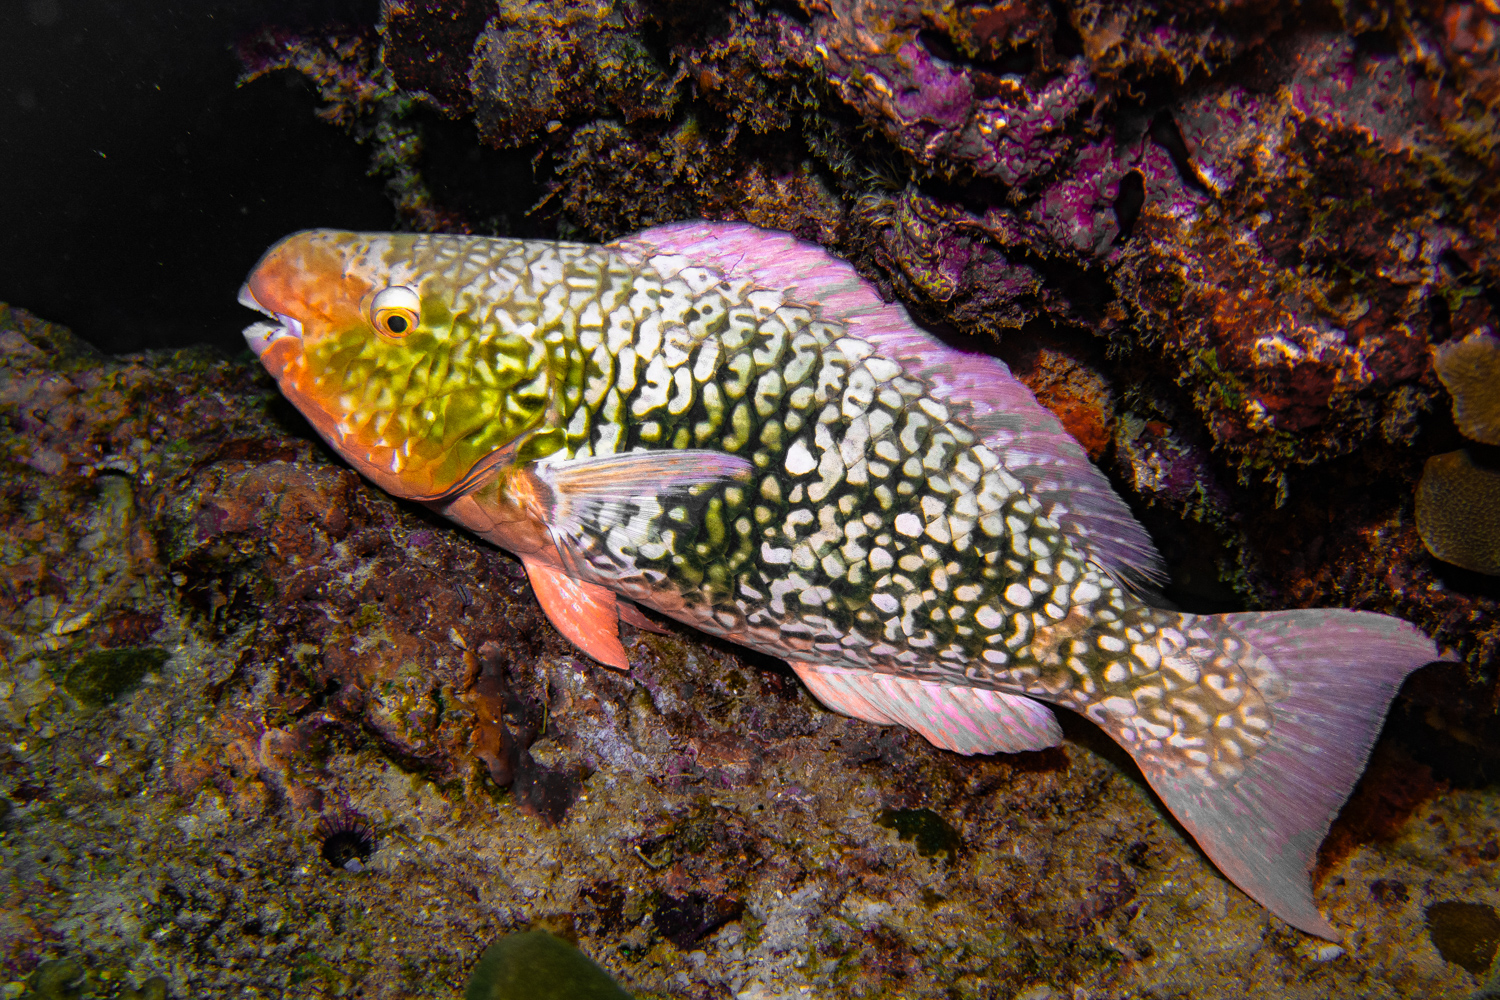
{"points": [[731, 427]]}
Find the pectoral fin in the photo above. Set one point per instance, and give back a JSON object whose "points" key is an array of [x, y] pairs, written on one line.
{"points": [[598, 512], [605, 513], [587, 615]]}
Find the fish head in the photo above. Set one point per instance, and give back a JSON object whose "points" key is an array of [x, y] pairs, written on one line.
{"points": [[418, 380]]}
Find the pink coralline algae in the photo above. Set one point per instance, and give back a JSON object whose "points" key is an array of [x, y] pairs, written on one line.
{"points": [[940, 113], [1300, 298], [1164, 466]]}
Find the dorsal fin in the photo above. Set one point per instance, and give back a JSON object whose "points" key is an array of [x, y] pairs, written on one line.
{"points": [[1030, 441]]}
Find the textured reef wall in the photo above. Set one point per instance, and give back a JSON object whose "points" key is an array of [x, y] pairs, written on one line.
{"points": [[267, 730], [1243, 226]]}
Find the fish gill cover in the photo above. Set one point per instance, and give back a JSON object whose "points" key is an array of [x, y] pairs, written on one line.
{"points": [[1235, 231]]}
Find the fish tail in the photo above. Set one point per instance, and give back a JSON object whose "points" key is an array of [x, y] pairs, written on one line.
{"points": [[1254, 728]]}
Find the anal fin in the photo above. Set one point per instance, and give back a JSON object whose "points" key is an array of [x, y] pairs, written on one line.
{"points": [[586, 614], [962, 719]]}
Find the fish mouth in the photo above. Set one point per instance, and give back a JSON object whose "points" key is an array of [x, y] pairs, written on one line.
{"points": [[260, 336]]}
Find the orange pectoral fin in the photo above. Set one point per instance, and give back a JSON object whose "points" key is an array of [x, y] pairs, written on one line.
{"points": [[586, 614]]}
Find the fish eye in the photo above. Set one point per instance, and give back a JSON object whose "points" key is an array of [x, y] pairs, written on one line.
{"points": [[395, 310]]}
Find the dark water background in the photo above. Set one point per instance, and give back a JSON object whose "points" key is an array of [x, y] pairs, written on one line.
{"points": [[138, 185]]}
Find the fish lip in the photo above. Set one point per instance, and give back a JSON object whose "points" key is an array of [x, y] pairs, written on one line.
{"points": [[260, 336]]}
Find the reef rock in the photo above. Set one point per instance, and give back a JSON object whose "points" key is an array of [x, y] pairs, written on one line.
{"points": [[267, 730], [1220, 240]]}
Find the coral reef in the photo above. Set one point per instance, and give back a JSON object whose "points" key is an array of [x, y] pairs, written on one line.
{"points": [[1458, 511], [268, 731], [346, 749], [1470, 371]]}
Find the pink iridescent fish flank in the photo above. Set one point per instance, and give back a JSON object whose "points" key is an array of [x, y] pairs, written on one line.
{"points": [[727, 425]]}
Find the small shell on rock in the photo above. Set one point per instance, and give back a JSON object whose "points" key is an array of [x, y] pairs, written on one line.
{"points": [[1470, 368], [1458, 512]]}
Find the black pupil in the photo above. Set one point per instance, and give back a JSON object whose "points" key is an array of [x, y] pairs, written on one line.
{"points": [[396, 324]]}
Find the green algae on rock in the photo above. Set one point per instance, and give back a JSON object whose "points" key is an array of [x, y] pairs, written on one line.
{"points": [[536, 965], [1470, 368], [1466, 934], [58, 979], [926, 829], [1458, 511], [99, 676]]}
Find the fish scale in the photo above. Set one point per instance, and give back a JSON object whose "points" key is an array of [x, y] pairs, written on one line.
{"points": [[814, 404], [807, 588], [730, 427]]}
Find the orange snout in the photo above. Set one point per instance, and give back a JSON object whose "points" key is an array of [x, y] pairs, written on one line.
{"points": [[305, 277]]}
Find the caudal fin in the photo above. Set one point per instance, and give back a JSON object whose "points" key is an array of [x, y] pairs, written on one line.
{"points": [[1327, 678]]}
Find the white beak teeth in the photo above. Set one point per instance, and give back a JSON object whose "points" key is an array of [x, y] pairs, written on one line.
{"points": [[247, 299], [262, 335]]}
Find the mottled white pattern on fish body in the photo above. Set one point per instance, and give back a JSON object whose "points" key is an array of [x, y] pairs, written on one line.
{"points": [[879, 531], [730, 427]]}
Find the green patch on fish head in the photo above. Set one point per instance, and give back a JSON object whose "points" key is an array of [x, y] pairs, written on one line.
{"points": [[401, 350]]}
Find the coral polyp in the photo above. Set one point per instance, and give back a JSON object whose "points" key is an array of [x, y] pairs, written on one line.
{"points": [[1458, 511], [1470, 369]]}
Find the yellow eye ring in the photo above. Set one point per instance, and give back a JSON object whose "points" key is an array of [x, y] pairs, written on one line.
{"points": [[396, 311]]}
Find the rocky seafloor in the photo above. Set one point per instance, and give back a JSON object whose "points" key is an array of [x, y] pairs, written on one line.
{"points": [[270, 733]]}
